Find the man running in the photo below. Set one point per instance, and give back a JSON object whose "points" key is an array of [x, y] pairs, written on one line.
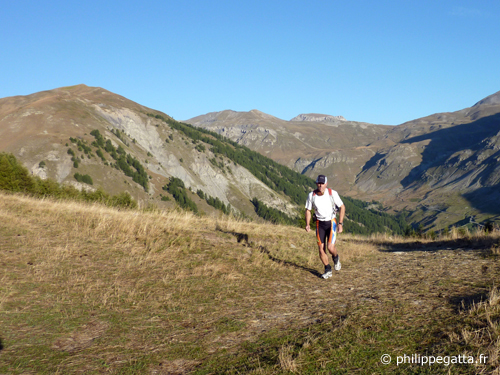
{"points": [[325, 202]]}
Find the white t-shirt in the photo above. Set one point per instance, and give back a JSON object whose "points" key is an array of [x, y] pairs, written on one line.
{"points": [[323, 204]]}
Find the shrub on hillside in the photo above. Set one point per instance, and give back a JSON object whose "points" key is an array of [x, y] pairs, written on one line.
{"points": [[177, 188], [14, 177], [83, 178], [100, 154], [129, 165], [273, 215], [122, 200], [200, 193]]}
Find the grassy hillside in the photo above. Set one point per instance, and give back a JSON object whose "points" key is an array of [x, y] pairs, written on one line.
{"points": [[91, 289]]}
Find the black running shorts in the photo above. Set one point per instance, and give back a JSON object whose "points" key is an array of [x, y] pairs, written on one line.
{"points": [[326, 231]]}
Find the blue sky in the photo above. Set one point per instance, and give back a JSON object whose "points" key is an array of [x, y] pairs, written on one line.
{"points": [[383, 62]]}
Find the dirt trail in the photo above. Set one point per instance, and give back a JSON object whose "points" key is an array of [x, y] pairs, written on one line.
{"points": [[432, 282]]}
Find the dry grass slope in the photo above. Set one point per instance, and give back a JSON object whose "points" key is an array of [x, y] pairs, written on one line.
{"points": [[90, 289]]}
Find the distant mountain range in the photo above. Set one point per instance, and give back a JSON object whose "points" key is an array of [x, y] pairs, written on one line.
{"points": [[443, 168]]}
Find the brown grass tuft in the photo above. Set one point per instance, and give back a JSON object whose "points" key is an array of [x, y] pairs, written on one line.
{"points": [[483, 330], [286, 360]]}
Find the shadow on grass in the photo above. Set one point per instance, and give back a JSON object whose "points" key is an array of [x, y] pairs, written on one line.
{"points": [[465, 303], [1, 345], [262, 249], [243, 237], [464, 244]]}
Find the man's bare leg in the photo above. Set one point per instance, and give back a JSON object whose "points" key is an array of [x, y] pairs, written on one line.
{"points": [[323, 255], [324, 258], [332, 249], [335, 255]]}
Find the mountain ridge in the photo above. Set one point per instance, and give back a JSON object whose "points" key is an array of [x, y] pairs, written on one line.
{"points": [[38, 127], [398, 165], [443, 169], [317, 117]]}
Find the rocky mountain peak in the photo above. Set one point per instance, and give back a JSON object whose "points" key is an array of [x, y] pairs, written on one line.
{"points": [[316, 117], [489, 100]]}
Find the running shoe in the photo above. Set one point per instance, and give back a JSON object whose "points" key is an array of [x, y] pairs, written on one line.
{"points": [[327, 275], [337, 266]]}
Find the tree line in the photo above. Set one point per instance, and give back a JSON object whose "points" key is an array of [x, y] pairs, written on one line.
{"points": [[177, 189], [272, 214], [214, 202], [366, 221], [128, 164]]}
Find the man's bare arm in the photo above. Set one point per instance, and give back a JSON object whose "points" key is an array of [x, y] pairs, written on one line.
{"points": [[308, 220], [341, 218]]}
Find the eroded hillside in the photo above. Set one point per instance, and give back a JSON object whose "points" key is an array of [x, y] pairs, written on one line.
{"points": [[40, 130]]}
